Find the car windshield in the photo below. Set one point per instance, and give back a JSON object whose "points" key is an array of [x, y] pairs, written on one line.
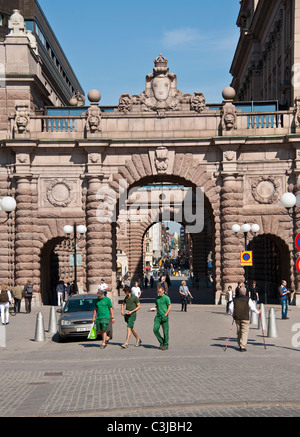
{"points": [[78, 305]]}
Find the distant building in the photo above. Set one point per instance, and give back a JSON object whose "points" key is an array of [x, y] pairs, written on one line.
{"points": [[58, 82], [268, 52]]}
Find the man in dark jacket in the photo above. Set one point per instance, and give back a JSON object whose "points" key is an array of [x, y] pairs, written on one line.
{"points": [[28, 293], [239, 309]]}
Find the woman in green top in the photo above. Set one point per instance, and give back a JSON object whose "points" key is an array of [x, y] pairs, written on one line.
{"points": [[163, 307], [103, 308], [129, 308]]}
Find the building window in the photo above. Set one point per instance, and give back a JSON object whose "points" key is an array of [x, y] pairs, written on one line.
{"points": [[29, 25]]}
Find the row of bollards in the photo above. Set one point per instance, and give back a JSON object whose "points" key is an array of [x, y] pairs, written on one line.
{"points": [[40, 329], [270, 327]]}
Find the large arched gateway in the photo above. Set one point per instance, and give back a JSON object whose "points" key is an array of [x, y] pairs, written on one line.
{"points": [[77, 165]]}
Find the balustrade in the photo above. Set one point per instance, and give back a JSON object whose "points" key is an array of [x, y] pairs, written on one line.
{"points": [[172, 125]]}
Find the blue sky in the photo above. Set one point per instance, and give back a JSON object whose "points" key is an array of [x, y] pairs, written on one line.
{"points": [[111, 44]]}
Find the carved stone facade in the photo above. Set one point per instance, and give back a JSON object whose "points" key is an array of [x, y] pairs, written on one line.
{"points": [[82, 169], [161, 94]]}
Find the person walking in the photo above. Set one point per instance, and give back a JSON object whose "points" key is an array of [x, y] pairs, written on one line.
{"points": [[185, 294], [228, 297], [129, 308], [68, 290], [60, 290], [284, 299], [102, 312], [151, 280], [163, 308], [5, 301], [28, 294], [103, 285], [162, 283], [237, 290], [254, 292], [239, 309], [17, 294], [136, 290]]}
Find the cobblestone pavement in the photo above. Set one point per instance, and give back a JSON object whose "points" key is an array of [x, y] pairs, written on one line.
{"points": [[194, 378]]}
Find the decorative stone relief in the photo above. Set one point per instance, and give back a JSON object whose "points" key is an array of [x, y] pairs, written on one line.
{"points": [[78, 99], [22, 119], [265, 189], [94, 119], [16, 24], [23, 158], [229, 155], [297, 111], [32, 41], [229, 117], [94, 158], [198, 102], [59, 193], [161, 160], [161, 94]]}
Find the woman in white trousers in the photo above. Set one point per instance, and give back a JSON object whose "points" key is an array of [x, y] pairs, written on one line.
{"points": [[4, 306]]}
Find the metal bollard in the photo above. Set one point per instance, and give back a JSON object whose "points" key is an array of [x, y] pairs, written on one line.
{"points": [[272, 325], [262, 320], [52, 321], [39, 328]]}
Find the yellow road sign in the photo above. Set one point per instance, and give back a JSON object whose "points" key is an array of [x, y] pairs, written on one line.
{"points": [[247, 258]]}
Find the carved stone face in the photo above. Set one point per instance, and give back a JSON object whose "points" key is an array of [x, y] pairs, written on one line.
{"points": [[161, 87], [229, 120]]}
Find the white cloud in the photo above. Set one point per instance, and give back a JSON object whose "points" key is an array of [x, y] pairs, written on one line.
{"points": [[181, 39], [192, 39]]}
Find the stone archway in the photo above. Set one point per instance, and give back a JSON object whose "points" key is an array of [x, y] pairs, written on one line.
{"points": [[271, 265], [141, 171], [50, 271], [55, 265]]}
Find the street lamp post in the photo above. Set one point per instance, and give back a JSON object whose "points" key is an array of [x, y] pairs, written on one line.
{"points": [[290, 202], [246, 228], [8, 205], [81, 229]]}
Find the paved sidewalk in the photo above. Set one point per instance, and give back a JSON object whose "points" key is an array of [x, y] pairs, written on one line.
{"points": [[194, 378]]}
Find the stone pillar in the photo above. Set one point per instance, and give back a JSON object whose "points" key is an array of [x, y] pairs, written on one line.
{"points": [[135, 250], [231, 204], [6, 239], [99, 240], [296, 253], [36, 243], [24, 256]]}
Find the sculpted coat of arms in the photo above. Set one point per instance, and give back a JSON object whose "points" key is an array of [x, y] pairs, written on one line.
{"points": [[161, 94]]}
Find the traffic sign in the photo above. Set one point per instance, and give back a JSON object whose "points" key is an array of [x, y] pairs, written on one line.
{"points": [[298, 265], [297, 242], [246, 258]]}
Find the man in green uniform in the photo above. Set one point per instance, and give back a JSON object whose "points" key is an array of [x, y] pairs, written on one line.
{"points": [[129, 308], [103, 308], [163, 307]]}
